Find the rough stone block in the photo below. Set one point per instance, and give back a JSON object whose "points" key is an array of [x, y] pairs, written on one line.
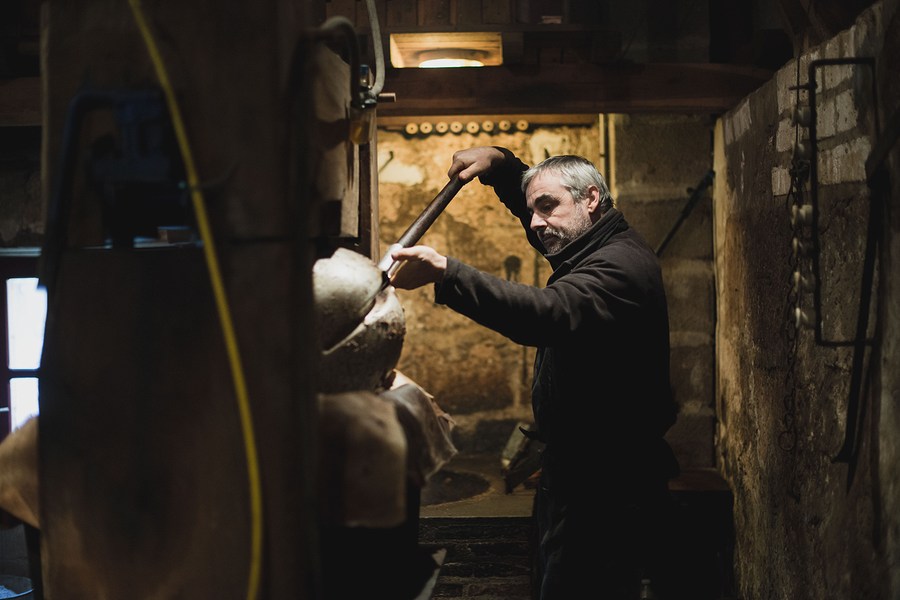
{"points": [[786, 135], [657, 156], [844, 163], [692, 374], [654, 221], [692, 440], [836, 114], [781, 181], [690, 289], [737, 122]]}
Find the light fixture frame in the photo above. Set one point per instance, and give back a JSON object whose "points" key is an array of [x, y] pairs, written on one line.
{"points": [[408, 50]]}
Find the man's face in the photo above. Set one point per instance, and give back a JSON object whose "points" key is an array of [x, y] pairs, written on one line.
{"points": [[555, 215]]}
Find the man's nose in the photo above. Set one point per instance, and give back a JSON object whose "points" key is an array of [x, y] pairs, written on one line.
{"points": [[537, 222]]}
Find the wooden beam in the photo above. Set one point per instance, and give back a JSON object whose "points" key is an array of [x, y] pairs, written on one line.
{"points": [[20, 101], [399, 122], [570, 88]]}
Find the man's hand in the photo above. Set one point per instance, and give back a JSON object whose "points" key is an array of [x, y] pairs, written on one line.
{"points": [[472, 162], [419, 265]]}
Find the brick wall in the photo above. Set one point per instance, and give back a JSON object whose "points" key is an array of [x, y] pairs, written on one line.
{"points": [[807, 525]]}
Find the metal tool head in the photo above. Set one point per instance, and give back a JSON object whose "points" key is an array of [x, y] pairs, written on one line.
{"points": [[359, 346]]}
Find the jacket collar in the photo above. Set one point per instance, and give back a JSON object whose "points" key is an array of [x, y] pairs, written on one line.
{"points": [[611, 223]]}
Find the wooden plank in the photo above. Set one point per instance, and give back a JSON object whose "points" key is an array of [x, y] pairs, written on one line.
{"points": [[496, 11], [438, 556], [410, 49], [20, 101], [116, 453], [568, 88], [400, 122], [538, 10], [341, 8], [368, 201], [468, 13], [362, 15], [435, 13], [161, 488], [336, 164], [401, 13]]}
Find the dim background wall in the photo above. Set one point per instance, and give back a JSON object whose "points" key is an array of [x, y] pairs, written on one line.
{"points": [[21, 216], [482, 378], [807, 526]]}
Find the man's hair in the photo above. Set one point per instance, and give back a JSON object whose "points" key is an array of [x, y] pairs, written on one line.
{"points": [[576, 174]]}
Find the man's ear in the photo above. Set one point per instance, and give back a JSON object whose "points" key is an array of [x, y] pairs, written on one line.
{"points": [[593, 201]]}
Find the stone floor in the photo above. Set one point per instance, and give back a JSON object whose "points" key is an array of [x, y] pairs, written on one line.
{"points": [[487, 558], [486, 533], [491, 502]]}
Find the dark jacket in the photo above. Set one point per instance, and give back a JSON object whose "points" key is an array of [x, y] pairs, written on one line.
{"points": [[601, 392]]}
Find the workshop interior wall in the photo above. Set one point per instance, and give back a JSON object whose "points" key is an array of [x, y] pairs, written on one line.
{"points": [[478, 376], [809, 526], [481, 378], [805, 528], [21, 216]]}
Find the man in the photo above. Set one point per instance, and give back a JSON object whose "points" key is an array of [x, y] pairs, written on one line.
{"points": [[600, 393]]}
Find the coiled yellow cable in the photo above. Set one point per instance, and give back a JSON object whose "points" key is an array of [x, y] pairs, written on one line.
{"points": [[234, 358]]}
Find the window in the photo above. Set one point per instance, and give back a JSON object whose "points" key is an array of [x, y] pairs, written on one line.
{"points": [[23, 308]]}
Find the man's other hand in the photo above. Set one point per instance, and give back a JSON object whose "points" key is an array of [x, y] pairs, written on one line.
{"points": [[472, 162], [419, 265]]}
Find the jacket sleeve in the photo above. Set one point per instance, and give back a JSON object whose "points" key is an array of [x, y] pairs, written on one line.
{"points": [[506, 179], [580, 303]]}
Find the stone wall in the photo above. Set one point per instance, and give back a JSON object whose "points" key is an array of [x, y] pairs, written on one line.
{"points": [[808, 525], [657, 158], [478, 376], [482, 378]]}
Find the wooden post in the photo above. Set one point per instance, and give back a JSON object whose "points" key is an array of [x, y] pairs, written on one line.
{"points": [[144, 477]]}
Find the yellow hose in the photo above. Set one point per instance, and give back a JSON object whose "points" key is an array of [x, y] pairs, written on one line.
{"points": [[234, 358]]}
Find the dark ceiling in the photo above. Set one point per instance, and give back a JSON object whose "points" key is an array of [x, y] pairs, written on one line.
{"points": [[567, 56], [586, 56]]}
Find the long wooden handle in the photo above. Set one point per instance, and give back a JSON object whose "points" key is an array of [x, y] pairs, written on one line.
{"points": [[425, 220]]}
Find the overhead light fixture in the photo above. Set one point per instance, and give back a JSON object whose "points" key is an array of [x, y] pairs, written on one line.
{"points": [[451, 57], [447, 49], [446, 63]]}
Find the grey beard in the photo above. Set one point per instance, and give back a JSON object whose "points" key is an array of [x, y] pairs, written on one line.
{"points": [[557, 239], [554, 240]]}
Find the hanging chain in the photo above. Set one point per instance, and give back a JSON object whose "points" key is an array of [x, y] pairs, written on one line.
{"points": [[787, 439], [795, 317]]}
